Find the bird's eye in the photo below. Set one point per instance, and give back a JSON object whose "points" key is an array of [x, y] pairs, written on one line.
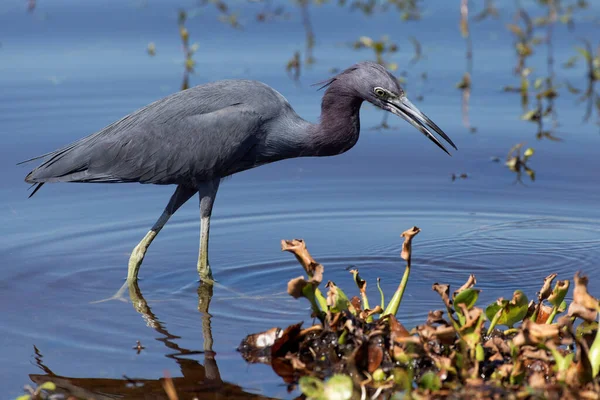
{"points": [[379, 92]]}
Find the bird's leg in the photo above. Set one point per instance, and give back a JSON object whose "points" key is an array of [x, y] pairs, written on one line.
{"points": [[207, 192], [181, 195]]}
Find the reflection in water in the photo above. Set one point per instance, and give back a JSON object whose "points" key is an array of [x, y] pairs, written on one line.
{"points": [[197, 380], [465, 83]]}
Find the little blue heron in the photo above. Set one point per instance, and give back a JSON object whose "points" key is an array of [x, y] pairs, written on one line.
{"points": [[195, 138]]}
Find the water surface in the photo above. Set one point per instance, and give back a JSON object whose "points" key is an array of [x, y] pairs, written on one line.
{"points": [[71, 68]]}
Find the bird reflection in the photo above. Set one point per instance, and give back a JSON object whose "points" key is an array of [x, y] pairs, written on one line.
{"points": [[197, 381]]}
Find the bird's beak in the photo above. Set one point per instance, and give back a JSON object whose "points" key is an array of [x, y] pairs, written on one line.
{"points": [[402, 107]]}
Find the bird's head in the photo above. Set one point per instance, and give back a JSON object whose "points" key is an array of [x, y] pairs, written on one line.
{"points": [[375, 84]]}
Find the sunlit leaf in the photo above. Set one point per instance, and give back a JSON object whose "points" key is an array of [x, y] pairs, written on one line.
{"points": [[511, 312], [338, 387], [47, 386], [528, 153], [467, 297]]}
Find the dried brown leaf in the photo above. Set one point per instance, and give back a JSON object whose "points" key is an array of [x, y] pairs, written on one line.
{"points": [[581, 295], [397, 330], [407, 245], [355, 302], [579, 311], [544, 312], [467, 285], [370, 312], [298, 248], [443, 290], [546, 289], [436, 317], [262, 340], [532, 333], [287, 341], [295, 361], [498, 347], [296, 286], [360, 282], [537, 380], [375, 356], [539, 354]]}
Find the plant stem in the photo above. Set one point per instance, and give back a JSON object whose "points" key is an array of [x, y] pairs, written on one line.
{"points": [[494, 322], [394, 304], [552, 315], [320, 299], [381, 294], [594, 353]]}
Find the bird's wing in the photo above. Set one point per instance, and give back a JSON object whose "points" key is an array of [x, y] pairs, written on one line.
{"points": [[181, 150]]}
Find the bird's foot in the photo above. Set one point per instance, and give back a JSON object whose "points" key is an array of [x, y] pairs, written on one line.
{"points": [[205, 272], [117, 296], [137, 256]]}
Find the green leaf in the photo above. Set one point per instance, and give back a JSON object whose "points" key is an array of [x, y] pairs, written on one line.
{"points": [[528, 152], [586, 328], [24, 397], [594, 354], [379, 375], [338, 387], [337, 301], [312, 388], [381, 294], [430, 381], [559, 292], [511, 311], [468, 297]]}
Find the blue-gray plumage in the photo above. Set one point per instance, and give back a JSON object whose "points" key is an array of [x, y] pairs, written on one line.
{"points": [[196, 137]]}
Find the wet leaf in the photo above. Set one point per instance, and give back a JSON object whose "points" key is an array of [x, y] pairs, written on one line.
{"points": [[338, 387], [397, 330], [430, 381], [375, 356], [312, 388], [286, 342]]}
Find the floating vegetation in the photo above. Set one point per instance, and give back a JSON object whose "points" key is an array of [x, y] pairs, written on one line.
{"points": [[530, 349], [188, 51], [517, 162]]}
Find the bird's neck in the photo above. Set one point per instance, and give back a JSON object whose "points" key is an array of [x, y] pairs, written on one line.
{"points": [[339, 124]]}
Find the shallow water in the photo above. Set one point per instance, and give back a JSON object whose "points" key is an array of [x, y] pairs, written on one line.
{"points": [[68, 70]]}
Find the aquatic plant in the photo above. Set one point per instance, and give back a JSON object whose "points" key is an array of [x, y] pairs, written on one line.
{"points": [[549, 349]]}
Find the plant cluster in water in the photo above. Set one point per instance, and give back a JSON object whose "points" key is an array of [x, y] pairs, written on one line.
{"points": [[546, 349]]}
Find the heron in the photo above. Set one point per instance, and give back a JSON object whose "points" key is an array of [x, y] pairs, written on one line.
{"points": [[196, 137]]}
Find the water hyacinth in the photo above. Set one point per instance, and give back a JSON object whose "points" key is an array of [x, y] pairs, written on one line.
{"points": [[549, 348]]}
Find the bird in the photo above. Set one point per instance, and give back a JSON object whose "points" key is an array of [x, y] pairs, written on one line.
{"points": [[195, 138]]}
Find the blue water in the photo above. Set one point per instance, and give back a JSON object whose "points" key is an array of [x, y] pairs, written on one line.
{"points": [[70, 68]]}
